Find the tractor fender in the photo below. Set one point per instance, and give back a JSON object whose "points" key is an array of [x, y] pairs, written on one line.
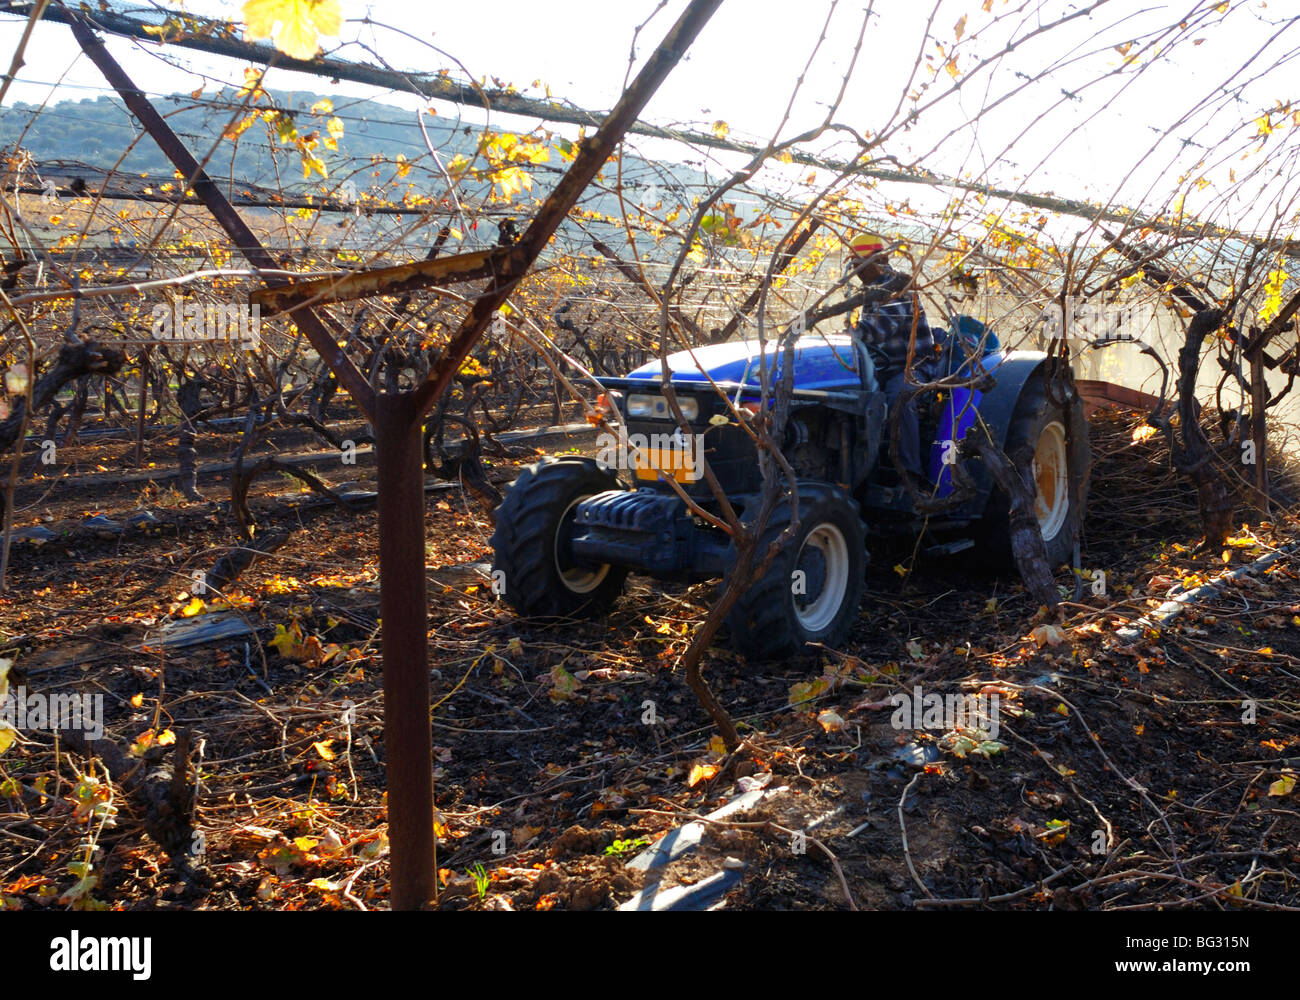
{"points": [[1011, 370]]}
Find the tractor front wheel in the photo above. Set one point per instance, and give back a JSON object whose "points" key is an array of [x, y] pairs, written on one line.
{"points": [[812, 588], [531, 544]]}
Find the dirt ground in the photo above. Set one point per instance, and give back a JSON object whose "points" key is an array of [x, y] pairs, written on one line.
{"points": [[1157, 771]]}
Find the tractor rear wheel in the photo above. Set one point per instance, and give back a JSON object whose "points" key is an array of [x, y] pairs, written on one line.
{"points": [[1046, 454], [812, 588], [531, 543]]}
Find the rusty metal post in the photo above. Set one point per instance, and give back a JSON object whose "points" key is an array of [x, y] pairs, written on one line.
{"points": [[144, 398], [403, 606], [1259, 425]]}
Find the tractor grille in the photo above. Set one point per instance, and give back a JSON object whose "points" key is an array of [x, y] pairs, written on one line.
{"points": [[619, 510], [644, 529]]}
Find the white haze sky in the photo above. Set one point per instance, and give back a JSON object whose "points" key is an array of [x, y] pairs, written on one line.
{"points": [[744, 66]]}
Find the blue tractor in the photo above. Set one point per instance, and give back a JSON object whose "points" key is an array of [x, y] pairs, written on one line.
{"points": [[570, 530]]}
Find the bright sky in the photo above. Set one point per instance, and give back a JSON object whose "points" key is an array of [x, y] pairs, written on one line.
{"points": [[744, 67]]}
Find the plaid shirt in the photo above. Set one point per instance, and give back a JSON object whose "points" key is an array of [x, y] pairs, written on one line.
{"points": [[886, 328]]}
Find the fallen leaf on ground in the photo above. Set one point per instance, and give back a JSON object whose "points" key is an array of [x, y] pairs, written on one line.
{"points": [[1047, 635], [701, 772]]}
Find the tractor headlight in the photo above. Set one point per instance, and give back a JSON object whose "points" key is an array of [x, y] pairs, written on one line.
{"points": [[657, 408]]}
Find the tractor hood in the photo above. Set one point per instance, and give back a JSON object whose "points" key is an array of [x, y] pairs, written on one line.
{"points": [[821, 362]]}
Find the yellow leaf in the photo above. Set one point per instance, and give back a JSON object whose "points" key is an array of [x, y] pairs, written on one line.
{"points": [[166, 738], [310, 163], [806, 690], [1282, 786], [701, 772], [294, 25], [563, 683], [830, 720], [284, 642], [137, 700], [7, 736], [1273, 295], [323, 748], [1143, 433], [721, 129], [960, 27], [195, 607]]}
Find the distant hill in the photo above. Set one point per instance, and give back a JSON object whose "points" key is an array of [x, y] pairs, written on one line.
{"points": [[97, 131]]}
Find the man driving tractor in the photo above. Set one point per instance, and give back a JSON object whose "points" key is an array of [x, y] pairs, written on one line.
{"points": [[886, 328]]}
